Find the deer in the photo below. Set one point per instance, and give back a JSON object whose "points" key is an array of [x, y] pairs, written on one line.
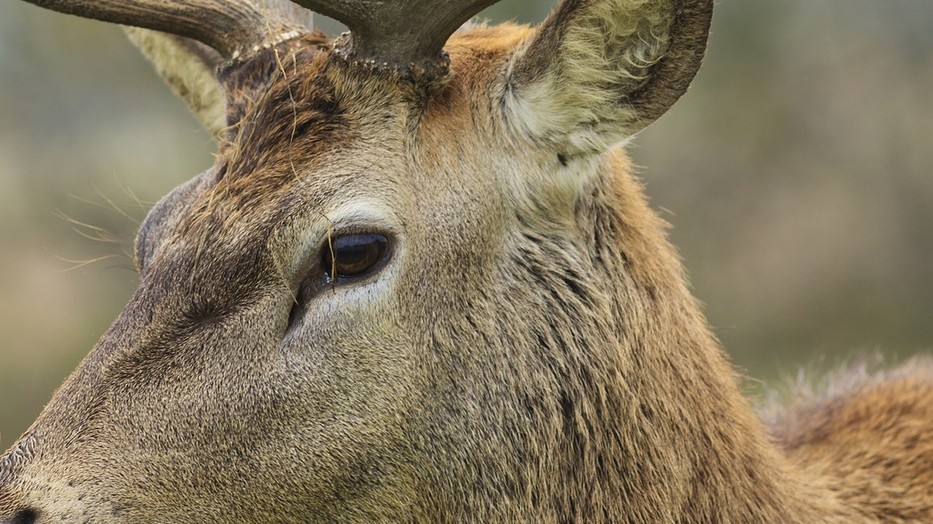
{"points": [[422, 283]]}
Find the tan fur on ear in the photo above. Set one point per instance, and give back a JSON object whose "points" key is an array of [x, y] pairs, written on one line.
{"points": [[189, 68], [597, 72]]}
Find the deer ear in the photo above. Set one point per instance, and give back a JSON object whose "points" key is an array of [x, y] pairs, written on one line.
{"points": [[190, 70], [598, 71]]}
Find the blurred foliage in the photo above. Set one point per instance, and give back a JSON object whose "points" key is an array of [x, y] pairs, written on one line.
{"points": [[796, 173]]}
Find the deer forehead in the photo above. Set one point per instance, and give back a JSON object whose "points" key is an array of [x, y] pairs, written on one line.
{"points": [[310, 136]]}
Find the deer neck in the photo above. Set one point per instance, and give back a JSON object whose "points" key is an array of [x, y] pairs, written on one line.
{"points": [[686, 444]]}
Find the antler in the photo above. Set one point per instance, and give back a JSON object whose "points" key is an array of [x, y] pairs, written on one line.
{"points": [[231, 28], [403, 34], [397, 34]]}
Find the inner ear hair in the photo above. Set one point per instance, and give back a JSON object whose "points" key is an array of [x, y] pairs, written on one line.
{"points": [[598, 71]]}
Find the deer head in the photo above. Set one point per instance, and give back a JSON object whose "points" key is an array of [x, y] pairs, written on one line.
{"points": [[419, 284]]}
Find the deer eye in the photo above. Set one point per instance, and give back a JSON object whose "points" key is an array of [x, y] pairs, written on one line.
{"points": [[353, 256]]}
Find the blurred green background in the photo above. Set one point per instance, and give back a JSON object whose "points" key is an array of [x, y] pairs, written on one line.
{"points": [[798, 174]]}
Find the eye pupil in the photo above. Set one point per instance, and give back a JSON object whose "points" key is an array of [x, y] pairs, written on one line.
{"points": [[350, 256]]}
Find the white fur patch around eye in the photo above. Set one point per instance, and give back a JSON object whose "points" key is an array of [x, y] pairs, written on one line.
{"points": [[359, 216], [312, 232], [363, 212], [367, 296]]}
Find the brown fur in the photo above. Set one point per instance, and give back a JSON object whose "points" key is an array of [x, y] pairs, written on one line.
{"points": [[530, 353]]}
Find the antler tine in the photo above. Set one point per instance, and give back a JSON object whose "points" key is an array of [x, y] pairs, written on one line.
{"points": [[231, 28], [398, 34]]}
